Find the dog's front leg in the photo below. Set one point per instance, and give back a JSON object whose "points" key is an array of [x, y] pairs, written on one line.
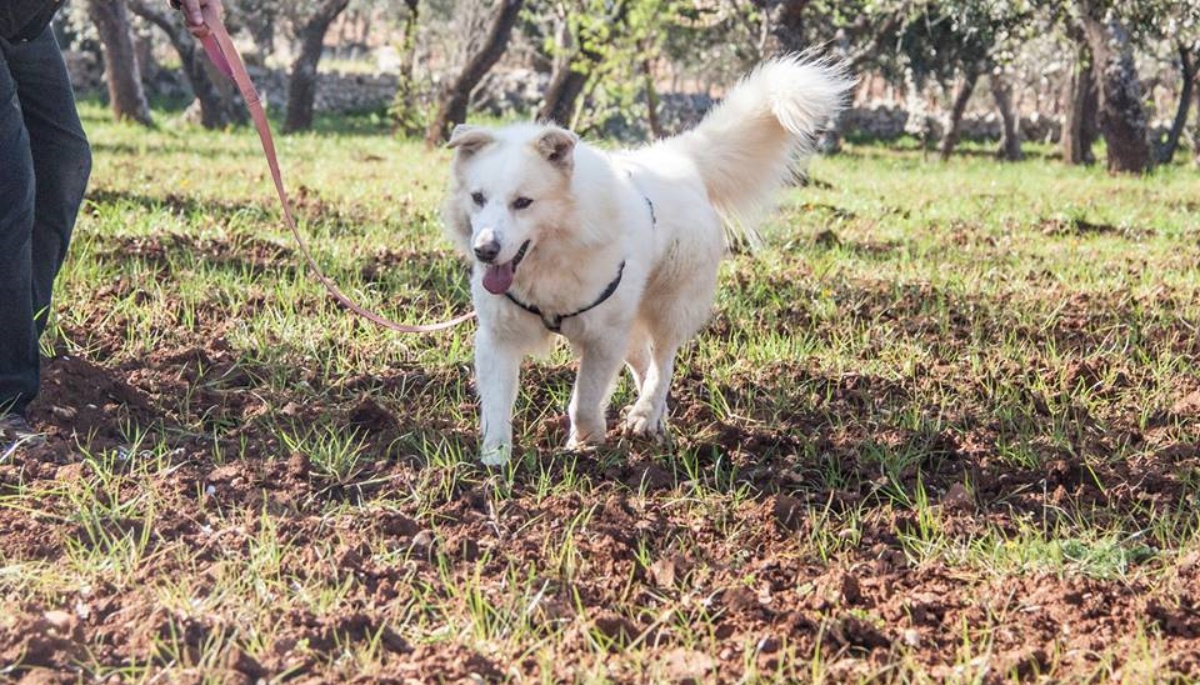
{"points": [[497, 368], [598, 365]]}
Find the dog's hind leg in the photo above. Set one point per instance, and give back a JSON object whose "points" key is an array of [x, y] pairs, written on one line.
{"points": [[598, 366], [637, 358], [678, 310], [646, 417]]}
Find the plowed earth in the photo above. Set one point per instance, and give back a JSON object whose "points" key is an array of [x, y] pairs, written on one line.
{"points": [[922, 483], [758, 591]]}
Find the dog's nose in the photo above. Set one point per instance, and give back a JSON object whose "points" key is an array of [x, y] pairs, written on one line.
{"points": [[486, 252]]}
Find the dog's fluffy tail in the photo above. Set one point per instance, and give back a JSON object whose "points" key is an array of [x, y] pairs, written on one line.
{"points": [[752, 143]]}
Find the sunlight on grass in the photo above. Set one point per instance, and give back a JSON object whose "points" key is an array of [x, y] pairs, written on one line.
{"points": [[940, 398]]}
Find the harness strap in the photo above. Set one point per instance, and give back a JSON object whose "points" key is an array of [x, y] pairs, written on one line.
{"points": [[554, 322], [649, 202], [224, 55]]}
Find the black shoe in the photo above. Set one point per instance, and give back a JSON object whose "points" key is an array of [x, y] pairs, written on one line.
{"points": [[15, 432]]}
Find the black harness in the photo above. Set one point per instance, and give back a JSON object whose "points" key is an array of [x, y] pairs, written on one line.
{"points": [[554, 322]]}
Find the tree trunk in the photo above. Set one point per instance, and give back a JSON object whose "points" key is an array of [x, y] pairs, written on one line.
{"points": [[652, 101], [558, 105], [1010, 134], [261, 27], [1079, 126], [302, 84], [408, 40], [343, 31], [572, 74], [953, 126], [1121, 116], [220, 103], [785, 19], [125, 93], [452, 107], [405, 110], [364, 37], [830, 140], [1189, 67], [143, 50], [1196, 135]]}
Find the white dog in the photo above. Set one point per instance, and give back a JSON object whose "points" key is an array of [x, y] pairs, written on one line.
{"points": [[618, 251]]}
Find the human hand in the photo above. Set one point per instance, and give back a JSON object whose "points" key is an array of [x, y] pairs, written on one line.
{"points": [[193, 14]]}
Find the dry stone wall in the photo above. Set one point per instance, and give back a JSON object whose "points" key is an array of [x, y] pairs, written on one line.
{"points": [[519, 91]]}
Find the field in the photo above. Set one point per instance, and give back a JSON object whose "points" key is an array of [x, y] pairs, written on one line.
{"points": [[943, 427]]}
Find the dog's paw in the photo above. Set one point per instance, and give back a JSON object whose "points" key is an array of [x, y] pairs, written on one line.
{"points": [[587, 430], [643, 422], [580, 441], [497, 455]]}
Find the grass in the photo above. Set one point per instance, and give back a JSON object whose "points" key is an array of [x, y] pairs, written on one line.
{"points": [[970, 379]]}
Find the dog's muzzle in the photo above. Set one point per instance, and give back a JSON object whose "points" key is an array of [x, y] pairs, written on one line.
{"points": [[487, 252], [498, 278]]}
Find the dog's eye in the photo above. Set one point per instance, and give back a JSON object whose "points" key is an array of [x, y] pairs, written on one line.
{"points": [[478, 199], [521, 203]]}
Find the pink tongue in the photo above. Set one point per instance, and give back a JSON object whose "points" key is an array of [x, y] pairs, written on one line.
{"points": [[498, 279]]}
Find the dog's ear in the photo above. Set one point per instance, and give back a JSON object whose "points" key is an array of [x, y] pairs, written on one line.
{"points": [[470, 139], [557, 146], [456, 222]]}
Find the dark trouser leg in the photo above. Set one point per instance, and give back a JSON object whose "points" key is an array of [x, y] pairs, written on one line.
{"points": [[62, 160], [18, 334], [40, 138]]}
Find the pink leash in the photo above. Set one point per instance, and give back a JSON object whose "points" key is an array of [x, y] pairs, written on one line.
{"points": [[225, 57]]}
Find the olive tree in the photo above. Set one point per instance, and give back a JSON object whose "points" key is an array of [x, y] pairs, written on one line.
{"points": [[121, 71], [1170, 31], [219, 103], [454, 99]]}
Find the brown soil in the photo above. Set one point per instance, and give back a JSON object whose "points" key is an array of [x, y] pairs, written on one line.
{"points": [[765, 591]]}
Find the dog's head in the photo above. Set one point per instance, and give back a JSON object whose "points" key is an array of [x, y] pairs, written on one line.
{"points": [[509, 188]]}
